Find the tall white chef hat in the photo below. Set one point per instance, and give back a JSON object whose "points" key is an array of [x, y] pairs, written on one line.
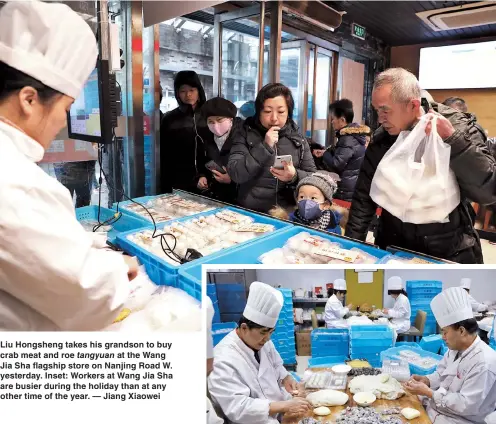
{"points": [[339, 284], [264, 305], [465, 283], [395, 283], [210, 317], [48, 42], [451, 306]]}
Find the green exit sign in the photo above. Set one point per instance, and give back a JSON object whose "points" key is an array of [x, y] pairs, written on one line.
{"points": [[358, 31]]}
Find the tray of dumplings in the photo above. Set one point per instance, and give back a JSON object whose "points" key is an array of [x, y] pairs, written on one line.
{"points": [[305, 248], [326, 380], [205, 234], [168, 206]]}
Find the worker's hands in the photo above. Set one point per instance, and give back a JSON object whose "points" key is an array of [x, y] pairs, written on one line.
{"points": [[350, 306], [418, 388], [297, 406], [202, 183], [272, 136], [444, 127], [290, 384], [421, 379], [133, 266], [385, 311], [222, 178], [285, 175]]}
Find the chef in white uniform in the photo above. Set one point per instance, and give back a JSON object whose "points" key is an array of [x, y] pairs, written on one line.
{"points": [[249, 382], [401, 312], [334, 310], [491, 418], [466, 283], [53, 274], [212, 417], [463, 388]]}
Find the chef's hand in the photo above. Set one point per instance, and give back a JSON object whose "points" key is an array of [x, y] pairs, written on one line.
{"points": [[202, 183], [222, 178], [318, 153], [421, 379], [285, 175], [350, 306], [272, 136], [297, 406], [290, 384], [444, 127], [133, 265], [418, 388], [385, 311]]}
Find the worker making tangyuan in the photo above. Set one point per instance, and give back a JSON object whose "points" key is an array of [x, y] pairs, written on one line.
{"points": [[414, 351]]}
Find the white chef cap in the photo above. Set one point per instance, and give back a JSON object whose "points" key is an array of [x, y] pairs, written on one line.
{"points": [[395, 283], [264, 305], [210, 317], [465, 283], [451, 306], [339, 284], [49, 42]]}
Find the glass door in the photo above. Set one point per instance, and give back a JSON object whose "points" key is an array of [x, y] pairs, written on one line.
{"points": [[322, 89]]}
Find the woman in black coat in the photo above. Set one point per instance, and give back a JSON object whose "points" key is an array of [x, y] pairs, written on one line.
{"points": [[270, 133]]}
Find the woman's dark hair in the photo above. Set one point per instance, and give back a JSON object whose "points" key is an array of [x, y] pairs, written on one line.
{"points": [[398, 292], [250, 324], [12, 81], [343, 108], [469, 324], [334, 291], [271, 91]]}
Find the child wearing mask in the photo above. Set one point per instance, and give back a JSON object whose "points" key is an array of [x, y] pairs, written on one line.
{"points": [[315, 209], [220, 115]]}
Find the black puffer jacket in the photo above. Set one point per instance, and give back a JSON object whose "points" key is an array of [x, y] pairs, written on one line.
{"points": [[346, 157], [182, 137], [251, 159], [475, 169], [223, 192]]}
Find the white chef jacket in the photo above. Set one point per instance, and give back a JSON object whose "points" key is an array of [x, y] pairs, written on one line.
{"points": [[243, 388], [476, 306], [491, 418], [334, 313], [400, 314], [52, 275], [465, 389], [212, 417]]}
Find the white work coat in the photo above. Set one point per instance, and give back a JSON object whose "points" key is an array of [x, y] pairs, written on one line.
{"points": [[335, 312], [52, 275], [400, 314], [491, 418], [465, 389], [212, 417], [243, 388], [476, 306]]}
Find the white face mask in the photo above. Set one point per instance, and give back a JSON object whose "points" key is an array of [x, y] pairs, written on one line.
{"points": [[220, 128]]}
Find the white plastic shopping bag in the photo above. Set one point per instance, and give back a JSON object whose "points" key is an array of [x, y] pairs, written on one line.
{"points": [[414, 181]]}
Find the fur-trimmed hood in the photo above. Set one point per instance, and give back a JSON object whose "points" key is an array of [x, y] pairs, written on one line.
{"points": [[359, 132]]}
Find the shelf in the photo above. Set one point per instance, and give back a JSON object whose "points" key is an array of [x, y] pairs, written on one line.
{"points": [[310, 300]]}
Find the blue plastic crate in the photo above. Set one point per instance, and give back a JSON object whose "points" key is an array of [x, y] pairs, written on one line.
{"points": [[219, 331], [326, 361], [424, 284], [330, 334], [407, 344], [232, 298], [371, 357], [123, 224], [211, 290], [283, 343], [230, 317], [368, 350], [393, 353], [371, 336], [318, 351], [249, 254], [407, 255], [285, 323], [164, 273], [431, 343]]}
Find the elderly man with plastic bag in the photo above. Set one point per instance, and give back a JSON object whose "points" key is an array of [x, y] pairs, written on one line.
{"points": [[462, 390], [397, 98]]}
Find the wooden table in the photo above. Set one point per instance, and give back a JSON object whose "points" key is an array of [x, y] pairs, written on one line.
{"points": [[406, 401]]}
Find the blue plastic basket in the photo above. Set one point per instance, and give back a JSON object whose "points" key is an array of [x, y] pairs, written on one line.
{"points": [[393, 353], [407, 344], [164, 273], [326, 361], [365, 351], [431, 343], [249, 254], [407, 255], [123, 224], [424, 284], [232, 298], [219, 331]]}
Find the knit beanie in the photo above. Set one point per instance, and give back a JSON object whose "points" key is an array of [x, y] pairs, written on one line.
{"points": [[219, 106], [326, 182]]}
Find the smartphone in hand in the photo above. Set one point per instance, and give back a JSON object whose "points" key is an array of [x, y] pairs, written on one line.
{"points": [[280, 159], [213, 166]]}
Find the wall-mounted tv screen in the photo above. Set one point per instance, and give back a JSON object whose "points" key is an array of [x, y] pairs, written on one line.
{"points": [[458, 66]]}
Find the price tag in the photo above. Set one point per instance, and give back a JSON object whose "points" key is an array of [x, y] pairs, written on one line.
{"points": [[232, 217], [335, 253], [313, 241], [255, 228]]}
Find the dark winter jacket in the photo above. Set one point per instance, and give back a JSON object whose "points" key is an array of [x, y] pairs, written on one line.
{"points": [[223, 192], [251, 159], [183, 134], [456, 240], [346, 157]]}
